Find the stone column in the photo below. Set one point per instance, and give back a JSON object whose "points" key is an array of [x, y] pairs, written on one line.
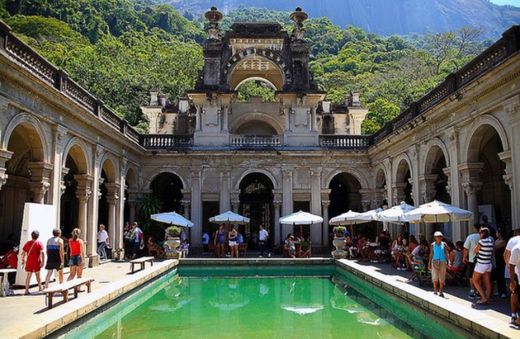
{"points": [[471, 185], [198, 118], [120, 210], [427, 183], [398, 194], [83, 193], [5, 155], [447, 173], [132, 205], [225, 118], [316, 202], [196, 208], [277, 203], [224, 192], [57, 175], [314, 123], [40, 180], [366, 199], [325, 235], [112, 200], [287, 196], [93, 205], [186, 213]]}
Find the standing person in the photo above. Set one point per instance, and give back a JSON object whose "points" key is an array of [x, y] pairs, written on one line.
{"points": [[127, 239], [263, 236], [483, 267], [219, 240], [102, 241], [439, 255], [470, 257], [233, 244], [205, 241], [137, 239], [290, 246], [514, 273], [55, 256], [77, 255], [33, 259], [515, 296], [500, 265]]}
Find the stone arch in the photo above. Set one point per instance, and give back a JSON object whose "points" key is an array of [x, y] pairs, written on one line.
{"points": [[131, 177], [477, 133], [354, 172], [158, 171], [77, 149], [381, 177], [256, 170], [435, 144], [255, 78], [398, 168], [35, 130], [109, 166], [257, 116], [278, 78]]}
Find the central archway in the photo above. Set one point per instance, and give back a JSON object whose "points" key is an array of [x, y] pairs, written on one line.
{"points": [[256, 202]]}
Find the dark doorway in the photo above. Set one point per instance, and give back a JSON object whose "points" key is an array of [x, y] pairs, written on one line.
{"points": [[167, 187], [256, 203]]}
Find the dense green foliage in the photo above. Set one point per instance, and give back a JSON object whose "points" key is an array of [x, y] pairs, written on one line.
{"points": [[255, 88], [120, 49]]}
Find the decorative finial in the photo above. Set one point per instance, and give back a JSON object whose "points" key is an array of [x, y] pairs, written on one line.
{"points": [[213, 16], [298, 16]]}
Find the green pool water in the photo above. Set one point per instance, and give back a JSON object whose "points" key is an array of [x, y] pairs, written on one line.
{"points": [[220, 302]]}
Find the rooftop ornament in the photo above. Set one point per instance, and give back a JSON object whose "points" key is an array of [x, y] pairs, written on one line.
{"points": [[298, 16], [213, 16]]}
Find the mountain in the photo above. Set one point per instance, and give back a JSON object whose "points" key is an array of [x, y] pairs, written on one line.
{"points": [[384, 17]]}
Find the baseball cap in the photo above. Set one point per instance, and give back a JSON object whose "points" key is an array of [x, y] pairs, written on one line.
{"points": [[437, 234]]}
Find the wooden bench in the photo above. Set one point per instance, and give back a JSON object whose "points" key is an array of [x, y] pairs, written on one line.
{"points": [[65, 287], [141, 261]]}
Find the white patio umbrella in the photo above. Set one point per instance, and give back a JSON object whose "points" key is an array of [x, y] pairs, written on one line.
{"points": [[396, 213], [350, 218], [301, 218], [372, 214], [229, 218], [172, 218], [437, 211]]}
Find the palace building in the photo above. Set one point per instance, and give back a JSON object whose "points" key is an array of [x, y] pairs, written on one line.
{"points": [[209, 153]]}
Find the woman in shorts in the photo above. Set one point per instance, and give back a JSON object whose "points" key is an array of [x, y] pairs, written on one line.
{"points": [[484, 266], [77, 255], [219, 241], [232, 242]]}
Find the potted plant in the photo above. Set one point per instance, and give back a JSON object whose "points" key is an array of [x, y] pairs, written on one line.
{"points": [[339, 242], [172, 242]]}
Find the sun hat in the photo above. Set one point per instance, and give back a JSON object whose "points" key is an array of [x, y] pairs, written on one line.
{"points": [[482, 229], [437, 234]]}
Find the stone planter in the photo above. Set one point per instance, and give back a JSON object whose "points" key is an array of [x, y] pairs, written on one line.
{"points": [[339, 245], [171, 247]]}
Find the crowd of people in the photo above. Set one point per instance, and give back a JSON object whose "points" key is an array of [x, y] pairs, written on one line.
{"points": [[484, 261]]}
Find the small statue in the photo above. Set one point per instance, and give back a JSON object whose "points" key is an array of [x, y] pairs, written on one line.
{"points": [[298, 16], [213, 16]]}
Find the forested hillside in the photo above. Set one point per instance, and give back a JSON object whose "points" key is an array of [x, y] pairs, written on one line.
{"points": [[121, 49]]}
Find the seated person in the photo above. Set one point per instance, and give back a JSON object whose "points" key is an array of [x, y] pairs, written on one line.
{"points": [[397, 251], [290, 246], [306, 248], [456, 256], [362, 247], [154, 249]]}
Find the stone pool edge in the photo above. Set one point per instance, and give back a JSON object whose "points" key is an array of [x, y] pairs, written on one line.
{"points": [[471, 320], [65, 314]]}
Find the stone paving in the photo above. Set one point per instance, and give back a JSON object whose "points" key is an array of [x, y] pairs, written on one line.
{"points": [[28, 316]]}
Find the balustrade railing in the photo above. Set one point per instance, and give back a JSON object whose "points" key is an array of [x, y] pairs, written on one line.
{"points": [[346, 141], [255, 141], [165, 141]]}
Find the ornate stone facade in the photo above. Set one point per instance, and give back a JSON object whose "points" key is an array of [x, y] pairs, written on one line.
{"points": [[60, 145]]}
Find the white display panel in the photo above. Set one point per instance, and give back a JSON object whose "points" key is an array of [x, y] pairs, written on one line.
{"points": [[36, 217]]}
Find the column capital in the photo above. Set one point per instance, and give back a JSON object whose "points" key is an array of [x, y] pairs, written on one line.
{"points": [[277, 203], [112, 192], [84, 187], [427, 183], [508, 171], [59, 136], [325, 203], [471, 187], [40, 179], [315, 171], [447, 173], [5, 155]]}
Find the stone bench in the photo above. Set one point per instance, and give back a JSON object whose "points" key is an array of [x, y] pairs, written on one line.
{"points": [[64, 288], [141, 261]]}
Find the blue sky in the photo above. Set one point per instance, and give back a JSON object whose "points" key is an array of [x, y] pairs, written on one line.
{"points": [[507, 2]]}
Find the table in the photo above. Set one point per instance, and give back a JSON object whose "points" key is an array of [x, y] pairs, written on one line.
{"points": [[4, 282]]}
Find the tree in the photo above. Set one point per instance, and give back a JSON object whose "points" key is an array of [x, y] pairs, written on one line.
{"points": [[379, 112]]}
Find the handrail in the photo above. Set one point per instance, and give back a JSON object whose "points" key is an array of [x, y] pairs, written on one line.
{"points": [[255, 141], [346, 141], [165, 141]]}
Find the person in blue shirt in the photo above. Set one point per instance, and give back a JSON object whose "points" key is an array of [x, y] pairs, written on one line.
{"points": [[438, 262]]}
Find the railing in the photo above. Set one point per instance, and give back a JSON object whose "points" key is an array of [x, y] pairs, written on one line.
{"points": [[30, 60], [255, 141], [346, 141], [165, 141], [501, 50]]}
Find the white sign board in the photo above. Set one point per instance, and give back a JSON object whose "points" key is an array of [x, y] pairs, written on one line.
{"points": [[36, 217]]}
